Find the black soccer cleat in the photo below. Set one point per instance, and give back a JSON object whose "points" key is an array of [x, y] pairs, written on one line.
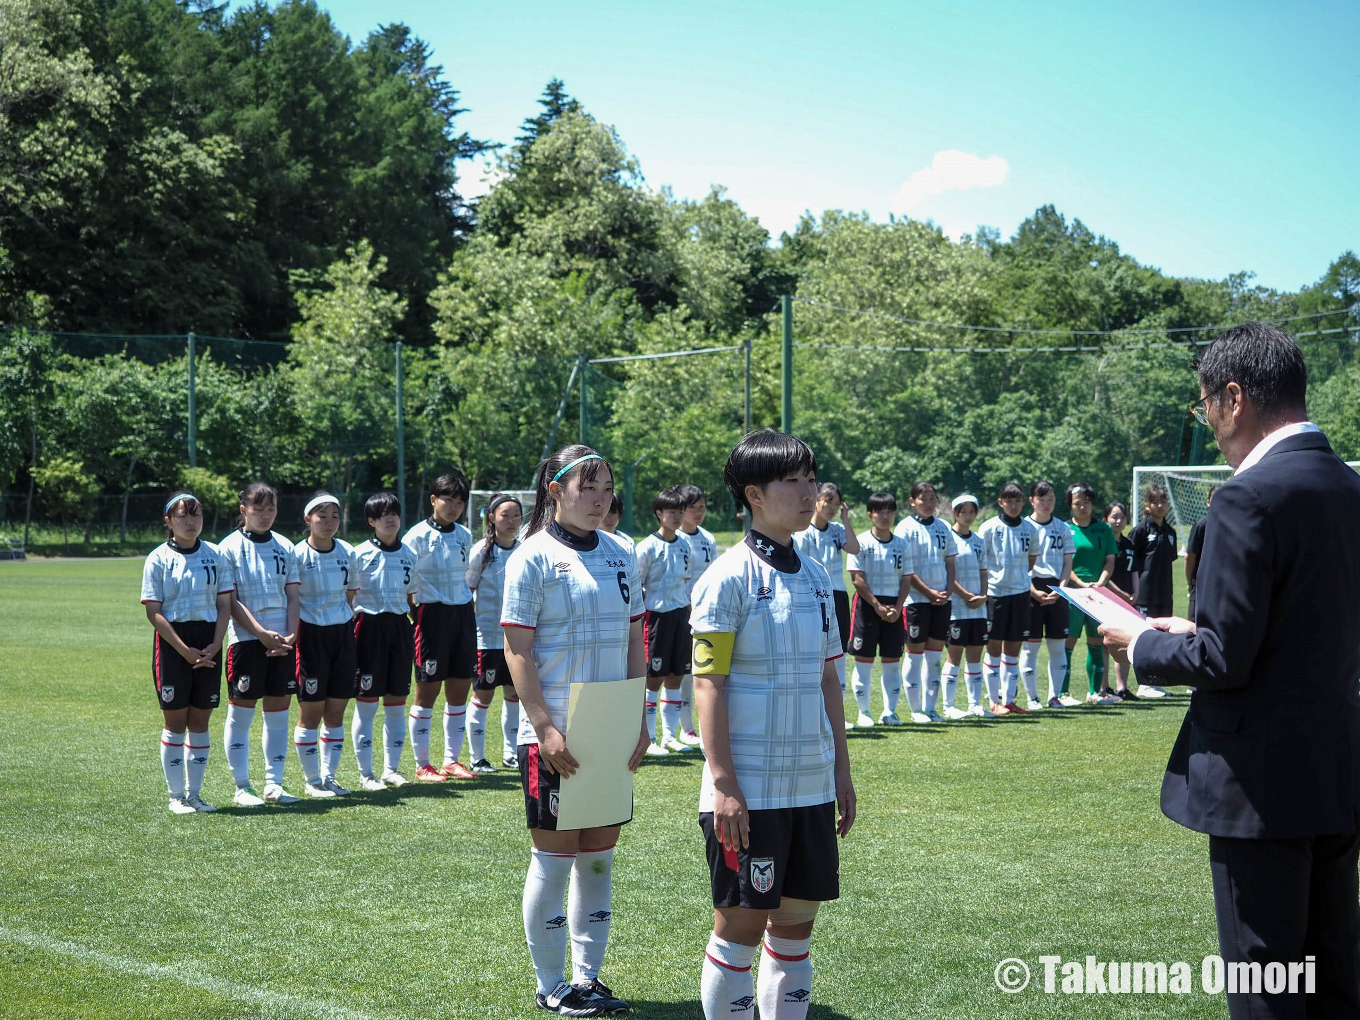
{"points": [[565, 1000], [611, 1002]]}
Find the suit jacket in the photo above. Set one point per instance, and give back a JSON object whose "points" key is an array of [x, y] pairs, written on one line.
{"points": [[1270, 746]]}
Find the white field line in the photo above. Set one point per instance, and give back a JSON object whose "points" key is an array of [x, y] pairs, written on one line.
{"points": [[271, 1002]]}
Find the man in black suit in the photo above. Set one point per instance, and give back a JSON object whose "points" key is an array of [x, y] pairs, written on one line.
{"points": [[1268, 759]]}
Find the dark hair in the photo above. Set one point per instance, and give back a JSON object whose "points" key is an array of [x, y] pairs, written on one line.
{"points": [[190, 503], [830, 489], [763, 456], [1011, 490], [545, 506], [1080, 489], [1264, 360], [669, 498], [882, 501], [1042, 488], [256, 495], [691, 494], [333, 498], [1155, 489], [1116, 505], [380, 504], [497, 500], [921, 487], [1212, 490], [450, 486], [615, 505]]}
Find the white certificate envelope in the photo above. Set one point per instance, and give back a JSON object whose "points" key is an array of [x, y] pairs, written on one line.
{"points": [[604, 721], [1102, 605]]}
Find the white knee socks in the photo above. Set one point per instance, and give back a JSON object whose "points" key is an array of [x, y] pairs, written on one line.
{"points": [[589, 911], [891, 682], [1010, 674], [394, 736], [509, 727], [670, 712], [861, 685], [914, 680], [973, 682], [687, 696], [332, 745], [932, 688], [365, 712], [476, 730], [785, 988], [950, 673], [172, 762], [236, 741], [455, 722], [651, 714], [305, 742], [545, 925], [274, 742], [195, 761], [1029, 658], [420, 734], [726, 987], [993, 674], [1057, 665]]}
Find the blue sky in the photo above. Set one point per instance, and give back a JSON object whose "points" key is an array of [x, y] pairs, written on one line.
{"points": [[1204, 139]]}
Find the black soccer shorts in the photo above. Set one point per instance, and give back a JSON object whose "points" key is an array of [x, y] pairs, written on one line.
{"points": [[1009, 616], [384, 648], [1049, 621], [669, 642], [492, 672], [968, 633], [326, 663], [542, 789], [870, 634], [792, 852], [926, 622], [842, 601], [252, 673], [178, 684], [446, 642]]}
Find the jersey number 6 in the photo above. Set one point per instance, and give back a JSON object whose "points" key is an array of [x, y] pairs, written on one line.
{"points": [[623, 585]]}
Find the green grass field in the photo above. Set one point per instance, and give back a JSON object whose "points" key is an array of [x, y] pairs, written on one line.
{"points": [[976, 842]]}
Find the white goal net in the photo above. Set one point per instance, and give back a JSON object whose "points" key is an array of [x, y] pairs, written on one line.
{"points": [[477, 504], [1187, 490]]}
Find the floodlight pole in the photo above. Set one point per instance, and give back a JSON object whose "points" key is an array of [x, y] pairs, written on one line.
{"points": [[193, 409], [401, 438], [747, 429], [584, 397], [786, 380]]}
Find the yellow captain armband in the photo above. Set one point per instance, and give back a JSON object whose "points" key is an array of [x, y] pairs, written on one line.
{"points": [[712, 654]]}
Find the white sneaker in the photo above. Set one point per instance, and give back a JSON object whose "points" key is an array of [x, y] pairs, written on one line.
{"points": [[849, 726], [864, 721], [180, 806], [335, 788], [953, 713], [245, 796], [920, 717], [393, 779], [1067, 701], [199, 804], [1034, 704], [657, 751], [1110, 699], [890, 719], [318, 790], [371, 785], [1150, 691], [689, 737], [276, 794], [674, 745]]}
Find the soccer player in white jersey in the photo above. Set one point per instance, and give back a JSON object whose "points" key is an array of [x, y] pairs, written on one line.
{"points": [[610, 525], [1048, 615], [186, 589], [826, 540], [261, 641], [703, 549], [486, 578], [384, 642], [927, 613], [663, 570], [327, 666], [572, 614], [446, 627], [1008, 540], [968, 611], [772, 716], [879, 572]]}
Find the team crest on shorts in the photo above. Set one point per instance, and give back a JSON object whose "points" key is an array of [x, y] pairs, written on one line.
{"points": [[552, 803], [857, 644], [309, 684], [490, 675], [914, 631], [955, 631], [656, 664], [168, 692], [430, 666], [762, 873], [243, 684], [365, 682]]}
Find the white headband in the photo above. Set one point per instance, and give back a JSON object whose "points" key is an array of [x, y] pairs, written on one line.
{"points": [[318, 501], [965, 498]]}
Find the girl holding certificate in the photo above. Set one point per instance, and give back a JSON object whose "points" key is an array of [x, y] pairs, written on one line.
{"points": [[572, 613]]}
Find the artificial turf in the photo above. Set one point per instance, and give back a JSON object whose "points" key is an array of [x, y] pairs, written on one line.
{"points": [[976, 841]]}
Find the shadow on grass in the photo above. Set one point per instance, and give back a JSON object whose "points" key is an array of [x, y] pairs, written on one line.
{"points": [[692, 1009]]}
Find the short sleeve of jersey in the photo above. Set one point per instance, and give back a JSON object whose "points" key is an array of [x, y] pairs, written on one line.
{"points": [[852, 559], [226, 577], [523, 599], [475, 562], [719, 605], [153, 577]]}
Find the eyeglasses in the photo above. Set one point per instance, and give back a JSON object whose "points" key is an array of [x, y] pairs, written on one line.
{"points": [[1198, 408]]}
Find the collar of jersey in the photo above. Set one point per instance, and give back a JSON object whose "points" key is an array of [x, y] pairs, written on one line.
{"points": [[261, 539], [814, 527], [668, 541], [181, 550], [335, 546], [445, 528], [394, 547], [784, 558], [881, 541], [573, 541], [1009, 521], [927, 521]]}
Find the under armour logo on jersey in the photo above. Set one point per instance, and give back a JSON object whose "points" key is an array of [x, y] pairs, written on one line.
{"points": [[554, 923], [763, 595], [766, 547], [801, 995], [743, 1004], [600, 915], [762, 873]]}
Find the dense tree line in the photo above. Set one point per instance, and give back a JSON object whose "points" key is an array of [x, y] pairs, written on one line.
{"points": [[167, 167]]}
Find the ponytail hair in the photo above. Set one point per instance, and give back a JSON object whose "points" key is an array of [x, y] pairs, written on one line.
{"points": [[256, 495], [545, 507], [497, 501]]}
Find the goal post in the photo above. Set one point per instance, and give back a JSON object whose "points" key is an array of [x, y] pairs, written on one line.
{"points": [[1187, 490]]}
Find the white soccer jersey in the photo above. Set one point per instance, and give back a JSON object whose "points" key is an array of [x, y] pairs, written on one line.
{"points": [[387, 574], [580, 600], [779, 608], [969, 556], [930, 546], [663, 569], [486, 577], [1054, 542], [1008, 549], [882, 563], [326, 579], [442, 555], [827, 547], [703, 550], [186, 582], [263, 566]]}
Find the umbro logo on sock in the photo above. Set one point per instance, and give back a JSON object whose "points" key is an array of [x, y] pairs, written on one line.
{"points": [[600, 915], [554, 923], [743, 1004], [237, 746], [801, 995], [279, 757]]}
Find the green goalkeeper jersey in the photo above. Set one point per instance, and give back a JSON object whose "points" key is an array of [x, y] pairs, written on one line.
{"points": [[1090, 546]]}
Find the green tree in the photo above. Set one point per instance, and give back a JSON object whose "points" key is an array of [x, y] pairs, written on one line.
{"points": [[68, 489]]}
